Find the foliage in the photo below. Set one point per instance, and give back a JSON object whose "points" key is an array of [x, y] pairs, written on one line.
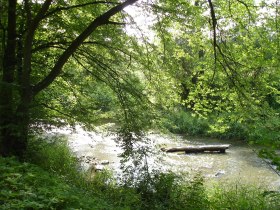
{"points": [[241, 196], [210, 57], [173, 192], [182, 122], [56, 63], [53, 154], [226, 70], [27, 186], [272, 155], [63, 62]]}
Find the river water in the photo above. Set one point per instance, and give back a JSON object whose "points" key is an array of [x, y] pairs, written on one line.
{"points": [[239, 164]]}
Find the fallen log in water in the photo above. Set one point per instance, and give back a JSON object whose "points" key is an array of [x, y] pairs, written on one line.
{"points": [[199, 148]]}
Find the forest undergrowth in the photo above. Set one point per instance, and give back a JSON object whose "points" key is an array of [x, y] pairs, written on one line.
{"points": [[51, 179]]}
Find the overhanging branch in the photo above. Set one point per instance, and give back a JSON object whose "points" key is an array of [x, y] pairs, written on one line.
{"points": [[99, 21], [59, 9]]}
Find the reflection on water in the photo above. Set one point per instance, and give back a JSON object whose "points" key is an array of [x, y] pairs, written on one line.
{"points": [[239, 163]]}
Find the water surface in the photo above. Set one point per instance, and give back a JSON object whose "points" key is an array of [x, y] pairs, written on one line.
{"points": [[239, 164]]}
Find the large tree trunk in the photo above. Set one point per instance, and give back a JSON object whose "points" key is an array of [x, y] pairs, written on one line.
{"points": [[14, 132], [7, 88], [16, 96], [22, 117]]}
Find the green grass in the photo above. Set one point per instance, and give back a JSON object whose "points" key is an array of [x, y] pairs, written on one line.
{"points": [[27, 186], [53, 155], [242, 197]]}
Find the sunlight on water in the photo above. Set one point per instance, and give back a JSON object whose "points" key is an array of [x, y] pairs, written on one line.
{"points": [[239, 163]]}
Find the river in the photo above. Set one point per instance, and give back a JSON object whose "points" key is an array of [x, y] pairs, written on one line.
{"points": [[239, 164]]}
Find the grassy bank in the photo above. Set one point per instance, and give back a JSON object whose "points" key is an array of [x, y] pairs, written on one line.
{"points": [[51, 180]]}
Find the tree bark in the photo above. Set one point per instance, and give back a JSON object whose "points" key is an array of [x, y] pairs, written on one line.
{"points": [[7, 84], [199, 148]]}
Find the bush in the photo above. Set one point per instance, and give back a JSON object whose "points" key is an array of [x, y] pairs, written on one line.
{"points": [[241, 197], [170, 191], [53, 155], [233, 130], [182, 122], [26, 186]]}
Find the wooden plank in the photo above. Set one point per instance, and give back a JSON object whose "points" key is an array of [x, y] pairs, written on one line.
{"points": [[199, 148]]}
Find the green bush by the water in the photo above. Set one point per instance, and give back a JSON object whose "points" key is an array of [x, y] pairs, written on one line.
{"points": [[243, 197], [27, 186], [48, 186], [53, 155], [182, 122]]}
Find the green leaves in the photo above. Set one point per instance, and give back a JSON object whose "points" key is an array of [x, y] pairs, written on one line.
{"points": [[26, 186]]}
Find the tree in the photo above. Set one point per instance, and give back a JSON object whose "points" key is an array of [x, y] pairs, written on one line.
{"points": [[55, 53], [25, 46]]}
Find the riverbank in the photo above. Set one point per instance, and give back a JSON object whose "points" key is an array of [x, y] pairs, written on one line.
{"points": [[51, 184]]}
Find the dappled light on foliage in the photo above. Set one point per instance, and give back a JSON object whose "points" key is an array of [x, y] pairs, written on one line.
{"points": [[201, 68]]}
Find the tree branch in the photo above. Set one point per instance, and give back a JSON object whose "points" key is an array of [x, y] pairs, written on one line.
{"points": [[40, 15], [214, 25], [56, 110], [246, 5], [99, 21], [90, 72], [59, 9], [54, 44], [32, 25], [111, 74]]}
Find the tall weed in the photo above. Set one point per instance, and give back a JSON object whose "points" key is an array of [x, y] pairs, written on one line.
{"points": [[54, 155], [241, 197]]}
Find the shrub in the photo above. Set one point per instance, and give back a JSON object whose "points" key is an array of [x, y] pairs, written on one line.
{"points": [[241, 197], [184, 123], [53, 155], [234, 130], [26, 186], [170, 191]]}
